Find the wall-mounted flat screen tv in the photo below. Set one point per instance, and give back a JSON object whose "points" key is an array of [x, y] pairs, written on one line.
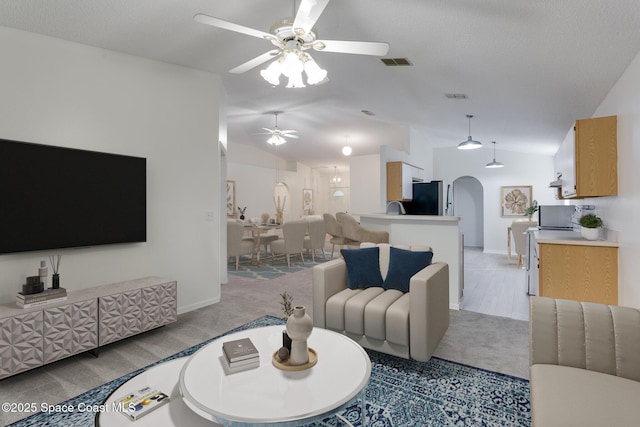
{"points": [[55, 197]]}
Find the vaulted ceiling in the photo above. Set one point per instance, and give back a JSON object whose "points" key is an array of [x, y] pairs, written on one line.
{"points": [[528, 68]]}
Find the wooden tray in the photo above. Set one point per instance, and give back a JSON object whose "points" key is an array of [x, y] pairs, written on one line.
{"points": [[313, 359]]}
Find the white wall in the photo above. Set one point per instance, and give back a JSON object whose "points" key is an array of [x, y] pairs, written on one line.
{"points": [[621, 213], [520, 169], [365, 177], [67, 94]]}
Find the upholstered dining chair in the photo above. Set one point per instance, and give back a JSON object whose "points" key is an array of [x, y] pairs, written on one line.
{"points": [[334, 229], [236, 243], [357, 233], [518, 228], [316, 237], [292, 242]]}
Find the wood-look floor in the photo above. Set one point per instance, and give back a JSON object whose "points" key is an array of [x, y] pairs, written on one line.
{"points": [[494, 285]]}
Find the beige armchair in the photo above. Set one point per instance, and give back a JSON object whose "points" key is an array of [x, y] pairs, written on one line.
{"points": [[357, 233], [334, 229], [585, 363], [315, 240], [237, 245], [408, 325], [292, 242], [518, 229]]}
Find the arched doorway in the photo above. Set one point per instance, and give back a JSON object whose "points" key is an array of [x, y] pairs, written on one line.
{"points": [[468, 204]]}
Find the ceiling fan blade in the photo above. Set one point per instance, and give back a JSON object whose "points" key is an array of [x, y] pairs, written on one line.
{"points": [[269, 130], [290, 136], [252, 63], [289, 131], [359, 48], [308, 13], [226, 25]]}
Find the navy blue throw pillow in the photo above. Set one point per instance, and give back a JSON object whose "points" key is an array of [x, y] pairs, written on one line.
{"points": [[363, 267], [403, 264]]}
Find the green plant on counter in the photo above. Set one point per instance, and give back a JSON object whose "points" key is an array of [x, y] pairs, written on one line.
{"points": [[531, 209], [590, 221]]}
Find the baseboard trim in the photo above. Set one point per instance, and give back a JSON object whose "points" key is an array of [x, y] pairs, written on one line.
{"points": [[494, 251], [187, 308]]}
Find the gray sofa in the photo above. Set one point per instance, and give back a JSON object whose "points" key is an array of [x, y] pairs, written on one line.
{"points": [[585, 364], [408, 325]]}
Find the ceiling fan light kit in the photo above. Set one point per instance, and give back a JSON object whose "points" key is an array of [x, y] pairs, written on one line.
{"points": [[470, 143], [293, 37], [493, 164]]}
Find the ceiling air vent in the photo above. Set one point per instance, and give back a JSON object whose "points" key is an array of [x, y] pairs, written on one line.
{"points": [[395, 62], [456, 95]]}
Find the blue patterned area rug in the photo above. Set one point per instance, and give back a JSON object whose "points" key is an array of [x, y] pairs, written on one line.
{"points": [[268, 270], [400, 393]]}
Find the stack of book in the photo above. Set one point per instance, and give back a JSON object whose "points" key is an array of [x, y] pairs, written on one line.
{"points": [[240, 355], [140, 403], [45, 297]]}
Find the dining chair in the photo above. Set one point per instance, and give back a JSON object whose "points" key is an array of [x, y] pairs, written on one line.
{"points": [[518, 228], [334, 229], [315, 239], [236, 243], [292, 241]]}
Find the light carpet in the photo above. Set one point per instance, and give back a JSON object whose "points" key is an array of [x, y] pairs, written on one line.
{"points": [[400, 393]]}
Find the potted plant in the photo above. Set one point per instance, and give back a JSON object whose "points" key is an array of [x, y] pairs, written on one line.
{"points": [[590, 226], [533, 208]]}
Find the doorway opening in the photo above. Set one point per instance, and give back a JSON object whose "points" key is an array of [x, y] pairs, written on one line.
{"points": [[468, 204]]}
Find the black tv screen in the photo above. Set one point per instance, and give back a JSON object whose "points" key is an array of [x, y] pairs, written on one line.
{"points": [[54, 197]]}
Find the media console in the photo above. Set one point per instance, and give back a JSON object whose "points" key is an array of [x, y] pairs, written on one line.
{"points": [[86, 320]]}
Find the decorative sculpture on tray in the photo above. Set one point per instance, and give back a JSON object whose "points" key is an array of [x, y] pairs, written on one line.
{"points": [[299, 327]]}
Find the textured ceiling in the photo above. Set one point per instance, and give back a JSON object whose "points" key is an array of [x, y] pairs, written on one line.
{"points": [[529, 68]]}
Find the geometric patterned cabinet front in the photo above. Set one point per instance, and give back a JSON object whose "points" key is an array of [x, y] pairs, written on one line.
{"points": [[159, 305], [120, 316], [70, 329], [20, 343]]}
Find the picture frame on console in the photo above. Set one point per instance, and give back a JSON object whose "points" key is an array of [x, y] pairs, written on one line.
{"points": [[307, 200], [231, 198]]}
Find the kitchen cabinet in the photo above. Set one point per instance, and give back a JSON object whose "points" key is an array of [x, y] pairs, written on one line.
{"points": [[400, 178], [588, 159], [578, 272]]}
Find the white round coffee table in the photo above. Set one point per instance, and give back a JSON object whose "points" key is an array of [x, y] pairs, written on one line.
{"points": [[269, 396]]}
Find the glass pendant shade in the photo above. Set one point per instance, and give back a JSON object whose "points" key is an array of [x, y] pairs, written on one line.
{"points": [[292, 63], [276, 140], [346, 150]]}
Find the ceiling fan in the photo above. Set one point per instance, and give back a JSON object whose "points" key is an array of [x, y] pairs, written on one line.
{"points": [[293, 37], [278, 135]]}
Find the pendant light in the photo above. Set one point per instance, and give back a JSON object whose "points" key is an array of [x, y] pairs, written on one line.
{"points": [[346, 150], [494, 164], [470, 143], [336, 179]]}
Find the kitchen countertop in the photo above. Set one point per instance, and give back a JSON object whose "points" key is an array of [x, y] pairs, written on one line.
{"points": [[410, 217], [560, 237]]}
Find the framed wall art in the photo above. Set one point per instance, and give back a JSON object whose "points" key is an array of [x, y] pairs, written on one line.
{"points": [[307, 200], [514, 200], [231, 198]]}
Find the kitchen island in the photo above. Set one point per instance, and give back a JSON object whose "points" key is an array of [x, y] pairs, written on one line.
{"points": [[442, 233]]}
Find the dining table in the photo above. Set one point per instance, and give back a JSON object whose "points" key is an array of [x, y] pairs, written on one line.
{"points": [[257, 230]]}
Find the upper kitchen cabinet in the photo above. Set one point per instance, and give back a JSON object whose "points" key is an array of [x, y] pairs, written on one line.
{"points": [[588, 159], [400, 178]]}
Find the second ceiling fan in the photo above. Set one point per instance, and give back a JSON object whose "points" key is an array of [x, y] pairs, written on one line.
{"points": [[293, 37]]}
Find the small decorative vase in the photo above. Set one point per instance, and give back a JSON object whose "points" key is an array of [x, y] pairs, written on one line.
{"points": [[299, 327], [55, 281], [590, 233], [242, 217]]}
